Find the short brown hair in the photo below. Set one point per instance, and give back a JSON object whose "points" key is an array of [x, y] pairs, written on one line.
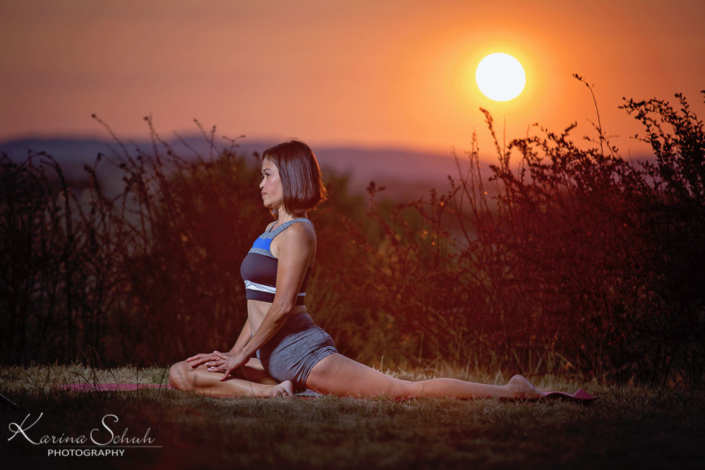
{"points": [[302, 185]]}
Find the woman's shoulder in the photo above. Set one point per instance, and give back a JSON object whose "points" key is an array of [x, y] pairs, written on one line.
{"points": [[298, 237], [299, 233]]}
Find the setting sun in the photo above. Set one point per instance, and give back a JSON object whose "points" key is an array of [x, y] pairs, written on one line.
{"points": [[500, 77]]}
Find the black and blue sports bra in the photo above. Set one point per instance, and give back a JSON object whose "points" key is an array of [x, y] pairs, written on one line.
{"points": [[259, 268]]}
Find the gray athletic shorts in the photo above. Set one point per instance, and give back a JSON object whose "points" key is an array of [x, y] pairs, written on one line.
{"points": [[295, 349]]}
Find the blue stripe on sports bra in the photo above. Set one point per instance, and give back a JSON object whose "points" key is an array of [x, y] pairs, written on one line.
{"points": [[263, 244]]}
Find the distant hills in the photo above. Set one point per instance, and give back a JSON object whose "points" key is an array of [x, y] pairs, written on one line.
{"points": [[406, 174]]}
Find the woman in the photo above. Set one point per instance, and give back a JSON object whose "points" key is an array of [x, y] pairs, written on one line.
{"points": [[291, 350]]}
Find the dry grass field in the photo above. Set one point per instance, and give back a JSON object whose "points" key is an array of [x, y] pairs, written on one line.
{"points": [[630, 427]]}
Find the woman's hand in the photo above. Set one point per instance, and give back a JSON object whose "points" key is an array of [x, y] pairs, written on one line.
{"points": [[227, 365], [199, 359]]}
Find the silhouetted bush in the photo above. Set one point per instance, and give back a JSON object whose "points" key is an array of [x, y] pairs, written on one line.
{"points": [[582, 263], [584, 260]]}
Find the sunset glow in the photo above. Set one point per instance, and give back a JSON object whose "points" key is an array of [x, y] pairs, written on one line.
{"points": [[500, 77], [303, 69]]}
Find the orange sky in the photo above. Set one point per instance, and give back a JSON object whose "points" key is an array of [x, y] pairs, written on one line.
{"points": [[369, 73]]}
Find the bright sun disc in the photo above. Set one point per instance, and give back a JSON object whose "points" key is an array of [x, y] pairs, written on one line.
{"points": [[500, 77]]}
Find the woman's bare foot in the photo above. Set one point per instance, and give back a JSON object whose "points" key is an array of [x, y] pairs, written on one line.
{"points": [[284, 390], [522, 388]]}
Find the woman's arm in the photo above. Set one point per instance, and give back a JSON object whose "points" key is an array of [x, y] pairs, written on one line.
{"points": [[242, 340], [296, 247]]}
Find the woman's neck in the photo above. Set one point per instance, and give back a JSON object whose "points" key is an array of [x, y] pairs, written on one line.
{"points": [[285, 217]]}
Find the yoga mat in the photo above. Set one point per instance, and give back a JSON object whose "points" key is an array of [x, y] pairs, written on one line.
{"points": [[88, 387], [579, 396]]}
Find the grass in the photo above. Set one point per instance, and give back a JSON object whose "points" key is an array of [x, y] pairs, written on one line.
{"points": [[629, 427]]}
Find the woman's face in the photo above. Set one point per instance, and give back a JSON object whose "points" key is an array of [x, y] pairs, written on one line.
{"points": [[271, 185]]}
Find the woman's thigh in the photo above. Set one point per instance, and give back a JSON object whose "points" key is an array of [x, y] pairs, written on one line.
{"points": [[339, 375], [254, 372]]}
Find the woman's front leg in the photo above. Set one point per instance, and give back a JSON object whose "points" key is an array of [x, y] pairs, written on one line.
{"points": [[254, 372], [199, 380]]}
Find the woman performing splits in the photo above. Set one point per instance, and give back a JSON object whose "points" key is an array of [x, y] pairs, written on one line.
{"points": [[291, 350]]}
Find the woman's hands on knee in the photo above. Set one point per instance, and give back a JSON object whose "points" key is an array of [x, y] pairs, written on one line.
{"points": [[228, 365], [202, 358]]}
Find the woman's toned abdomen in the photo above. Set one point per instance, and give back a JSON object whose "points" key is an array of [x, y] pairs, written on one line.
{"points": [[256, 310]]}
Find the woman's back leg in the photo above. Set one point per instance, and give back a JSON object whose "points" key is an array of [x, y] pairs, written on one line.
{"points": [[339, 375]]}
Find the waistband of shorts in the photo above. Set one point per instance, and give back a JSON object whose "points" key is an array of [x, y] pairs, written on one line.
{"points": [[301, 320]]}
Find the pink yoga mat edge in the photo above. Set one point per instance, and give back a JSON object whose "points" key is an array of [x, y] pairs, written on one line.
{"points": [[581, 395]]}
